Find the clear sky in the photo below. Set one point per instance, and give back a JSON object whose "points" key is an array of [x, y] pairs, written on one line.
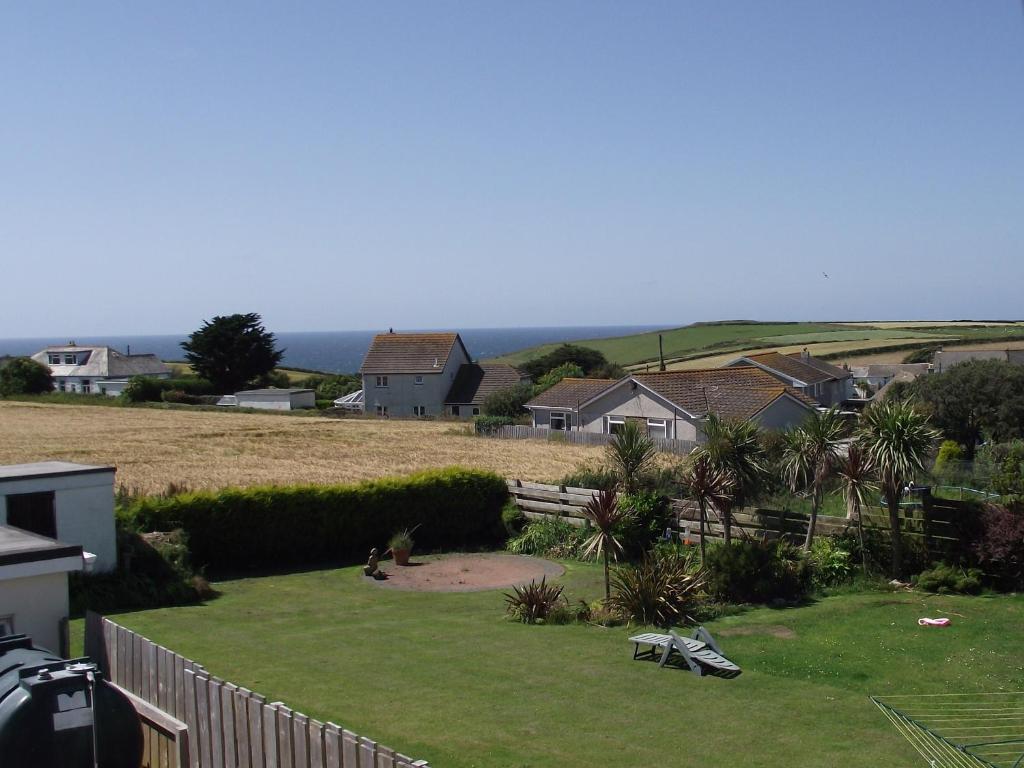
{"points": [[479, 164]]}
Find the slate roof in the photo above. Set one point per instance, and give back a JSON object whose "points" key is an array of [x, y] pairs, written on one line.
{"points": [[410, 353], [568, 393], [476, 381], [740, 392], [834, 371], [795, 367], [103, 363]]}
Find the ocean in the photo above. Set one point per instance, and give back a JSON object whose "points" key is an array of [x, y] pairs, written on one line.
{"points": [[342, 351]]}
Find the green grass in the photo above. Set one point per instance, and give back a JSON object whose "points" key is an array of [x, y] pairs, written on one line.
{"points": [[445, 677]]}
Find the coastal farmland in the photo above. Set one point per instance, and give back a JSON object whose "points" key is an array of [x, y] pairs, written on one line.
{"points": [[152, 448]]}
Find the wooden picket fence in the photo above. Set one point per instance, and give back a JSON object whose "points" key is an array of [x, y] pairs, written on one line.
{"points": [[937, 520], [575, 437], [194, 720]]}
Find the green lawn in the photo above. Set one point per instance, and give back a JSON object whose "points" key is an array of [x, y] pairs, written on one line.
{"points": [[445, 677]]}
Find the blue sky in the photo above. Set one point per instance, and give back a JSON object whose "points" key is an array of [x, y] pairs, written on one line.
{"points": [[479, 164]]}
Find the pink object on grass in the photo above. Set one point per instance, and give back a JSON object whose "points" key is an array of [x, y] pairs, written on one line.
{"points": [[926, 622]]}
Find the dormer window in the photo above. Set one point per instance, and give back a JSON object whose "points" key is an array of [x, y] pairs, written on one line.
{"points": [[69, 359], [53, 358]]}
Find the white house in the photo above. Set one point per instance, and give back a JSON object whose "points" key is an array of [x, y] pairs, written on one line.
{"points": [[274, 399], [73, 503], [101, 370], [34, 587]]}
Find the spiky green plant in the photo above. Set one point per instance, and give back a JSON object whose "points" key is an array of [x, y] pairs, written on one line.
{"points": [[631, 453], [530, 603], [664, 589], [856, 480], [809, 455], [605, 515], [710, 486], [896, 437]]}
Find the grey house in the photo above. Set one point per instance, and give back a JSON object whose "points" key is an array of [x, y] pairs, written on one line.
{"points": [[672, 404], [475, 382], [99, 370], [946, 359], [826, 383]]}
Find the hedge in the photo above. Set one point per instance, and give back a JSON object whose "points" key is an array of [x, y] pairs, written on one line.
{"points": [[268, 527]]}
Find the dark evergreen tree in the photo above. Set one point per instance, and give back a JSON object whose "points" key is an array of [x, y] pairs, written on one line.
{"points": [[232, 351]]}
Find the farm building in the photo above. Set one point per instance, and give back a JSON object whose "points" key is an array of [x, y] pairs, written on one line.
{"points": [[60, 500], [100, 370], [34, 587], [274, 399]]}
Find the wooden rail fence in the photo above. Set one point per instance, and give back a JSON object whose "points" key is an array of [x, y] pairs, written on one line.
{"points": [[194, 720], [521, 432]]}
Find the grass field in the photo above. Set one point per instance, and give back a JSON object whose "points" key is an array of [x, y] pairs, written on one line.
{"points": [[152, 447], [446, 678]]}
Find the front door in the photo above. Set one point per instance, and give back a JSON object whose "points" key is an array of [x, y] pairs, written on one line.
{"points": [[33, 512]]}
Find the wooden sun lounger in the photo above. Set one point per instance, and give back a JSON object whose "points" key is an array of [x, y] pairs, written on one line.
{"points": [[700, 652]]}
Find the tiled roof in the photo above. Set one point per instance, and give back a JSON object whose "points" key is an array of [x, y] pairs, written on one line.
{"points": [[410, 352], [568, 393], [475, 381], [104, 362], [833, 371], [794, 367], [734, 393]]}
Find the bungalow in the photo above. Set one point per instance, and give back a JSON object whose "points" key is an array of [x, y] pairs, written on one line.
{"points": [[102, 370], [670, 404], [827, 384], [428, 374]]}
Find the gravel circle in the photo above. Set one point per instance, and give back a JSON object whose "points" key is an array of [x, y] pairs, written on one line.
{"points": [[465, 572]]}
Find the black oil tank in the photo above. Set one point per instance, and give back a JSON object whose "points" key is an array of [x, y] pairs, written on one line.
{"points": [[59, 713]]}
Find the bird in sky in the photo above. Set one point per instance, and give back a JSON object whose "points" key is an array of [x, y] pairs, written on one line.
{"points": [[825, 274]]}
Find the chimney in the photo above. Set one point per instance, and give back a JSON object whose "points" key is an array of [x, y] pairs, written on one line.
{"points": [[805, 355]]}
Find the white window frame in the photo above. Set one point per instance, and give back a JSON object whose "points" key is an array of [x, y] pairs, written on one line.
{"points": [[381, 383], [563, 416], [382, 410], [419, 410], [86, 386], [660, 424], [417, 380], [618, 421], [70, 359], [53, 358]]}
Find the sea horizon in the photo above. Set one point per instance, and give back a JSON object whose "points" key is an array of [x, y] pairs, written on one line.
{"points": [[339, 351]]}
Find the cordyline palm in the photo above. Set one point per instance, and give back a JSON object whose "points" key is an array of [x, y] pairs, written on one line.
{"points": [[809, 456], [856, 478], [631, 452], [605, 515], [896, 438], [709, 486], [734, 448]]}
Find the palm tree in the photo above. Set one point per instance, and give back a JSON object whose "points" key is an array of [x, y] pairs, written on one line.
{"points": [[896, 438], [809, 456], [709, 485], [604, 513], [856, 478], [631, 452], [734, 448]]}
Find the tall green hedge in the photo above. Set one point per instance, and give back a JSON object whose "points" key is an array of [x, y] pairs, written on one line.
{"points": [[267, 527]]}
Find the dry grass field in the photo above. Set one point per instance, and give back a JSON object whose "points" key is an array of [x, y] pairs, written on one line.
{"points": [[152, 448]]}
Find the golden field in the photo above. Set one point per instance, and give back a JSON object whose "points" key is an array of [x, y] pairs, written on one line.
{"points": [[152, 447]]}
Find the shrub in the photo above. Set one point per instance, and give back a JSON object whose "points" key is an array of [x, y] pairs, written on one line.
{"points": [[589, 360], [24, 376], [946, 579], [831, 563], [650, 514], [143, 389], [664, 589], [550, 537], [323, 405], [555, 375], [533, 602], [180, 397], [756, 572], [508, 402], [485, 425], [592, 476], [274, 526], [512, 518], [1000, 545]]}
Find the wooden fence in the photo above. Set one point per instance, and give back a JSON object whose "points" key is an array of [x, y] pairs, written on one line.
{"points": [[937, 521], [521, 432], [193, 720]]}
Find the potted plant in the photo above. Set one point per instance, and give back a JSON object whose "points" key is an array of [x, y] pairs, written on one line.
{"points": [[401, 546]]}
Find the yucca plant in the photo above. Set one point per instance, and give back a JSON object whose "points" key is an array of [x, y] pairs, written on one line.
{"points": [[605, 516], [857, 479], [532, 602], [896, 438], [709, 486], [664, 589], [631, 453]]}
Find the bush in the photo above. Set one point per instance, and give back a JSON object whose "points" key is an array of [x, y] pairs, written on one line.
{"points": [[146, 389], [549, 537], [664, 589], [180, 397], [485, 425], [323, 405], [24, 376], [592, 476], [142, 389], [512, 518], [831, 562], [946, 579], [533, 602], [273, 526], [508, 403], [650, 514], [555, 375], [1000, 545], [756, 572]]}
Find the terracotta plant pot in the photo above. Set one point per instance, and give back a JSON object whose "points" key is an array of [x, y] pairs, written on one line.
{"points": [[401, 556]]}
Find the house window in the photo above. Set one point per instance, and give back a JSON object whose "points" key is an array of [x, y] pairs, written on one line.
{"points": [[417, 380], [86, 386], [382, 381], [559, 420], [69, 359], [419, 410], [476, 411], [657, 427], [7, 625], [61, 386], [53, 359], [382, 410], [455, 410], [614, 424]]}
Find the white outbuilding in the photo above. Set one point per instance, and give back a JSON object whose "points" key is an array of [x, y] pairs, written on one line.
{"points": [[274, 399], [73, 503]]}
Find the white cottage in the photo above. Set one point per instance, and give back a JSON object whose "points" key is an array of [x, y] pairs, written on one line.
{"points": [[97, 370], [73, 503]]}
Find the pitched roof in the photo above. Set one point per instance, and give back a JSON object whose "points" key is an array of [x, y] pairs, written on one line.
{"points": [[475, 381], [888, 370], [410, 352], [740, 392], [795, 367], [833, 371], [104, 363], [568, 393]]}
